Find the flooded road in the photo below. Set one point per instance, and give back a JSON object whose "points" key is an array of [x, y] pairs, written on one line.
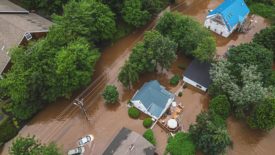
{"points": [[64, 123]]}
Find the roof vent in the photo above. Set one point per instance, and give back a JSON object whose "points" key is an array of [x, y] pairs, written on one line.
{"points": [[28, 36], [131, 147]]}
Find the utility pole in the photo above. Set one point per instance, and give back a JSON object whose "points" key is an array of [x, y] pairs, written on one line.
{"points": [[80, 104]]}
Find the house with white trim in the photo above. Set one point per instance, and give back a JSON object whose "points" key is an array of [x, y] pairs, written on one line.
{"points": [[227, 17], [153, 99], [17, 27]]}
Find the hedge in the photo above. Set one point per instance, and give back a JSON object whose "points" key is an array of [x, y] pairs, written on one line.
{"points": [[149, 135], [133, 112], [147, 122]]}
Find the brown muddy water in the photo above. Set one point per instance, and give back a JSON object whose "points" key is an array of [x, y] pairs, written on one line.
{"points": [[64, 124]]}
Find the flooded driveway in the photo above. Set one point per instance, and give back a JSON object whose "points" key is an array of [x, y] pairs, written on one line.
{"points": [[64, 123]]}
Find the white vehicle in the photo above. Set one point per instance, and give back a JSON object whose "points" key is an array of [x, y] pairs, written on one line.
{"points": [[85, 140], [77, 151]]}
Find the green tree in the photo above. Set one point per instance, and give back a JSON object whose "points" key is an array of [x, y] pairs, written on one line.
{"points": [[110, 94], [31, 146], [220, 105], [153, 6], [149, 135], [133, 13], [192, 38], [47, 6], [266, 38], [92, 20], [163, 48], [128, 75], [251, 54], [180, 144], [209, 137], [115, 5], [263, 116]]}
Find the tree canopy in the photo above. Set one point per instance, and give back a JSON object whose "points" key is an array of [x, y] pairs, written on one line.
{"points": [[110, 94], [266, 38], [31, 146], [192, 38], [220, 105], [180, 144], [208, 135], [92, 20]]}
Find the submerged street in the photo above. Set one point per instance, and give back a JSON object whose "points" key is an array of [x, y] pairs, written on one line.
{"points": [[64, 123]]}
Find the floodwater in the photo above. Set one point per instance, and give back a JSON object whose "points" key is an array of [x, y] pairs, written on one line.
{"points": [[64, 123]]}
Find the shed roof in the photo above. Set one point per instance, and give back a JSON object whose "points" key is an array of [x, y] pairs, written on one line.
{"points": [[154, 97], [232, 12], [199, 72], [128, 142], [14, 25]]}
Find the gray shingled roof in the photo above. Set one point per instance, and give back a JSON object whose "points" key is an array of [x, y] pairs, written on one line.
{"points": [[128, 142], [199, 72], [154, 97], [14, 25]]}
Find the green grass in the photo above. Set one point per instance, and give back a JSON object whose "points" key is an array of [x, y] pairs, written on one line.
{"points": [[264, 10]]}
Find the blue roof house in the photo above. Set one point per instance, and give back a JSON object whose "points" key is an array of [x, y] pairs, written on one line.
{"points": [[227, 17], [153, 99]]}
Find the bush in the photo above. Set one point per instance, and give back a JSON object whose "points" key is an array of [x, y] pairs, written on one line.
{"points": [[110, 94], [175, 80], [147, 122], [149, 135], [133, 112], [180, 94], [220, 105], [181, 144], [7, 130]]}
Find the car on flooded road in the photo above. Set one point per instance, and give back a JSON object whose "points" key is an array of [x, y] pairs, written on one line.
{"points": [[77, 151], [85, 140]]}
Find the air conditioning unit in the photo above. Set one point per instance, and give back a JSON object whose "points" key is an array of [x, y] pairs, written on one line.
{"points": [[28, 36]]}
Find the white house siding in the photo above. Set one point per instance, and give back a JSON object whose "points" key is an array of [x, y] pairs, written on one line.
{"points": [[216, 27], [141, 107], [193, 83]]}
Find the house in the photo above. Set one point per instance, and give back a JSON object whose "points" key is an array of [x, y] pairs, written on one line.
{"points": [[17, 27], [197, 75], [227, 17], [153, 99], [128, 142]]}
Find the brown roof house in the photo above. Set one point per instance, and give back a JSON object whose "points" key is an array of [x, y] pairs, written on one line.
{"points": [[128, 142], [17, 27]]}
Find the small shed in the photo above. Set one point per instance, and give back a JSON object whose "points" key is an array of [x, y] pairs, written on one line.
{"points": [[197, 75], [128, 142], [227, 17], [153, 99]]}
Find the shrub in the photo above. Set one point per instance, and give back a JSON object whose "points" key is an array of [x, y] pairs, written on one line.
{"points": [[175, 80], [220, 105], [181, 144], [147, 122], [149, 135], [133, 112], [7, 130], [180, 94], [110, 94]]}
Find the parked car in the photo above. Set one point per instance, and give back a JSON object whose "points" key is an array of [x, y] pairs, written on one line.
{"points": [[77, 151], [85, 140]]}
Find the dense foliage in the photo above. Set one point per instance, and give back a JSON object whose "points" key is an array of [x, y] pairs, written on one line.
{"points": [[155, 50], [147, 122], [175, 80], [263, 116], [220, 105], [264, 8], [266, 38], [133, 112], [7, 130], [180, 144], [251, 54], [31, 146], [149, 135], [209, 135], [110, 94], [192, 38], [92, 20], [46, 6]]}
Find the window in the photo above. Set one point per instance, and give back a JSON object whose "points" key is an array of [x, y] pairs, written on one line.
{"points": [[28, 36]]}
